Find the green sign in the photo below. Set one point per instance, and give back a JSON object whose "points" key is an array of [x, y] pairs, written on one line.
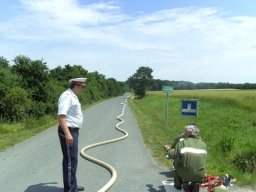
{"points": [[167, 89]]}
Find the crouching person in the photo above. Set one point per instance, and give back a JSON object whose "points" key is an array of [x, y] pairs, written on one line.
{"points": [[189, 157]]}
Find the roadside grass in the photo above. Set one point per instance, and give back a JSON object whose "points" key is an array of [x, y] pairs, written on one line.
{"points": [[227, 122], [11, 134]]}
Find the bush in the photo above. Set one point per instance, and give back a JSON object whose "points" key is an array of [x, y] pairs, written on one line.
{"points": [[15, 104], [246, 162]]}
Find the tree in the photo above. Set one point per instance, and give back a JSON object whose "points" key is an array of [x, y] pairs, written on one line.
{"points": [[34, 76], [16, 104], [4, 62], [8, 80], [68, 72], [140, 81], [28, 89], [114, 88]]}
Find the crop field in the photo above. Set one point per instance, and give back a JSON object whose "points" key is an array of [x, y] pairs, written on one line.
{"points": [[227, 123]]}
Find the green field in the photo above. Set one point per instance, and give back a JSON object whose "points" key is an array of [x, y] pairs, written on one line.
{"points": [[227, 122]]}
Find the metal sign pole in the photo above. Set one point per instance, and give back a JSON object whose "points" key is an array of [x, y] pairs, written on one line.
{"points": [[166, 117], [167, 90]]}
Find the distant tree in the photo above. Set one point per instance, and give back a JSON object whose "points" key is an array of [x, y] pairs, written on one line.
{"points": [[140, 81], [96, 87], [114, 88]]}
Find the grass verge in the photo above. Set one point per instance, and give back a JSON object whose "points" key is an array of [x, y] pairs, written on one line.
{"points": [[227, 124], [11, 134]]}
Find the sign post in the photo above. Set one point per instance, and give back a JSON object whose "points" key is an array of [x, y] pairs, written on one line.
{"points": [[167, 90]]}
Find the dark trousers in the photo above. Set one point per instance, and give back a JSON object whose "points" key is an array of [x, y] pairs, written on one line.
{"points": [[70, 160], [187, 186]]}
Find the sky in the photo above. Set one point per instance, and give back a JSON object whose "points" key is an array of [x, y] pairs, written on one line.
{"points": [[180, 40]]}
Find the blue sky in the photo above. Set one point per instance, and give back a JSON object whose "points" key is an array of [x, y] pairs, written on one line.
{"points": [[190, 40]]}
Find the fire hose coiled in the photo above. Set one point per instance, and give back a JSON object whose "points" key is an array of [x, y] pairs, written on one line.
{"points": [[102, 163]]}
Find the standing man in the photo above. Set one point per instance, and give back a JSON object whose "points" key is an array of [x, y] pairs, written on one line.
{"points": [[70, 118], [189, 153]]}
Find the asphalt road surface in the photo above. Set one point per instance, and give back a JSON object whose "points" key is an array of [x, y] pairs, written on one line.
{"points": [[35, 164]]}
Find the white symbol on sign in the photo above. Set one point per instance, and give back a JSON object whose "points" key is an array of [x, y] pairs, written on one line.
{"points": [[189, 109]]}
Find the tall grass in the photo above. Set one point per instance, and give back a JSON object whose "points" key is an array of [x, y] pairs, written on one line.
{"points": [[11, 134], [227, 122]]}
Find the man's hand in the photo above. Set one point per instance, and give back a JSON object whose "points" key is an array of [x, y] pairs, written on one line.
{"points": [[166, 148], [69, 138]]}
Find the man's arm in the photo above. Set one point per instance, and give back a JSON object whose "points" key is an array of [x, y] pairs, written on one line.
{"points": [[64, 127], [171, 153]]}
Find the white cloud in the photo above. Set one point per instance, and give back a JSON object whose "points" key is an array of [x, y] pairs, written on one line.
{"points": [[71, 12]]}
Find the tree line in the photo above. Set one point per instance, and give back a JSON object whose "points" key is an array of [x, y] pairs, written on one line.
{"points": [[142, 80], [186, 85], [29, 89]]}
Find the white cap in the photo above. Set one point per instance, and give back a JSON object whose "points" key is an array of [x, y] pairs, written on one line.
{"points": [[194, 129], [77, 80]]}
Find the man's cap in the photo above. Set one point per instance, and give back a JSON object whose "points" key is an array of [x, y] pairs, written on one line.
{"points": [[193, 129], [77, 80]]}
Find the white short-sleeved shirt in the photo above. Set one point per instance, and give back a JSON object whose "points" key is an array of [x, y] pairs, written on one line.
{"points": [[70, 106]]}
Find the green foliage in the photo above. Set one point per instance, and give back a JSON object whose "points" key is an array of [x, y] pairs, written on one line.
{"points": [[226, 144], [38, 110], [68, 72], [16, 104], [10, 128], [7, 80], [186, 85], [113, 87], [13, 133], [4, 63], [28, 89], [140, 81], [34, 76], [246, 162], [29, 94]]}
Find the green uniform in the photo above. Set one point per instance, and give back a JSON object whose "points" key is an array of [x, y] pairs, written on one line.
{"points": [[189, 160], [176, 140]]}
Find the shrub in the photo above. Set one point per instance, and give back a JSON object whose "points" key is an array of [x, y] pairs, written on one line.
{"points": [[246, 162], [16, 104]]}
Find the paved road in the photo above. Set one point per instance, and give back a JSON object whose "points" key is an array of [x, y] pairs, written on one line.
{"points": [[35, 164]]}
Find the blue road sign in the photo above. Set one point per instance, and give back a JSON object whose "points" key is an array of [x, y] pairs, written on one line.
{"points": [[189, 107]]}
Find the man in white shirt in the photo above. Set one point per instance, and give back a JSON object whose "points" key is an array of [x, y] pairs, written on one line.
{"points": [[70, 118]]}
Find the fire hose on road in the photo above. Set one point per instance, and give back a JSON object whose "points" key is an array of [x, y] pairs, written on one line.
{"points": [[102, 163]]}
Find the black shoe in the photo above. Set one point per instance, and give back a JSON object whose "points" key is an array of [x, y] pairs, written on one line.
{"points": [[80, 188], [178, 187]]}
